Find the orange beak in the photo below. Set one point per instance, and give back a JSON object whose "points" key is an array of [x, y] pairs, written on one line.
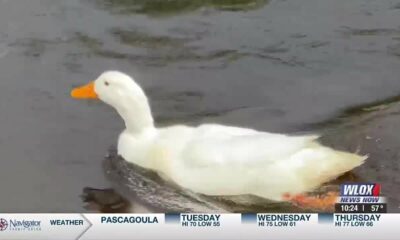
{"points": [[84, 92]]}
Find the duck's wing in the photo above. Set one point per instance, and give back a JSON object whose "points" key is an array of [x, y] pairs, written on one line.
{"points": [[213, 145]]}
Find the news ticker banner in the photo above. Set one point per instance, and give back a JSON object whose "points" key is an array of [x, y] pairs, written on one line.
{"points": [[360, 213], [335, 226]]}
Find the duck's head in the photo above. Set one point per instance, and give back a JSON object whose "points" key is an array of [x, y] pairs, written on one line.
{"points": [[111, 87], [121, 92]]}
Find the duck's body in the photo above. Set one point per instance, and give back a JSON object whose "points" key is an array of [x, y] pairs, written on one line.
{"points": [[215, 159], [220, 160]]}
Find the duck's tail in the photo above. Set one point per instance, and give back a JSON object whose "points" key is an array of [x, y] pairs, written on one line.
{"points": [[325, 164]]}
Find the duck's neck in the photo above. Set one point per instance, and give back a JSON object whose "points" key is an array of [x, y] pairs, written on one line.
{"points": [[136, 114]]}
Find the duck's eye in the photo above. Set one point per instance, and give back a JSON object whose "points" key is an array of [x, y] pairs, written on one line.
{"points": [[106, 83]]}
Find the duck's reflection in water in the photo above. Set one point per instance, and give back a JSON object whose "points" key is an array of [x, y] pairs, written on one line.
{"points": [[105, 201]]}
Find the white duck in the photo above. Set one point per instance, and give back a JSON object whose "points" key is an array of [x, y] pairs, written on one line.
{"points": [[215, 159]]}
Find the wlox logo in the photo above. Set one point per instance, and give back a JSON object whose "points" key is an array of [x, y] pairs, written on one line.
{"points": [[360, 189]]}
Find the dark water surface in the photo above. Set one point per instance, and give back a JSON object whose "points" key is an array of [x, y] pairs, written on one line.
{"points": [[272, 65]]}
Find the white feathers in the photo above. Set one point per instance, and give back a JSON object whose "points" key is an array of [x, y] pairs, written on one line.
{"points": [[220, 160]]}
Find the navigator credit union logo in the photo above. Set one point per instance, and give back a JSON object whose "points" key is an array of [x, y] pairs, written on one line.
{"points": [[3, 224], [19, 225]]}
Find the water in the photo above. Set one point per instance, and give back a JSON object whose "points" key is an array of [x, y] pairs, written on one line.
{"points": [[272, 65]]}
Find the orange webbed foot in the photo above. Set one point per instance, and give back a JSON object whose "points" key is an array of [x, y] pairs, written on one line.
{"points": [[325, 202]]}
